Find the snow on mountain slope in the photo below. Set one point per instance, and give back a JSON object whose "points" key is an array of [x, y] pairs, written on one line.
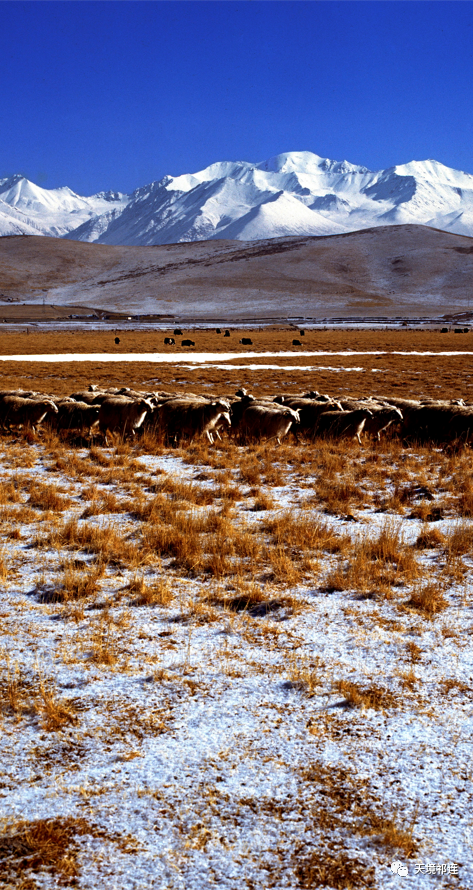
{"points": [[282, 215], [293, 193], [54, 211], [14, 222]]}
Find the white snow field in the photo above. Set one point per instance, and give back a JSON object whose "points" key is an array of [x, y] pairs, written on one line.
{"points": [[294, 193], [235, 667], [202, 358]]}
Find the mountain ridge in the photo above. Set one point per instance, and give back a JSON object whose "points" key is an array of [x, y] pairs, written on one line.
{"points": [[293, 193], [400, 270]]}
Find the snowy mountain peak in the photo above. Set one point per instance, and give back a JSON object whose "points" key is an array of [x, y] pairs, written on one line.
{"points": [[10, 181], [294, 193], [109, 196], [308, 162], [434, 171]]}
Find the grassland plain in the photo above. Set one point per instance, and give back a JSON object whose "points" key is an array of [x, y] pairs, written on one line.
{"points": [[378, 362], [243, 667]]}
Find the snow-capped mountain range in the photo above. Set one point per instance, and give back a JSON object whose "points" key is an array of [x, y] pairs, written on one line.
{"points": [[297, 193]]}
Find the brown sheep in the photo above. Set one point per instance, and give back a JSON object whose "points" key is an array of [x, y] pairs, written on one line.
{"points": [[266, 421], [121, 415], [383, 417], [342, 424], [310, 412], [17, 411], [186, 418], [74, 415]]}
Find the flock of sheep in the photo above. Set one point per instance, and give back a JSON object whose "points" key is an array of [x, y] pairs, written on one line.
{"points": [[181, 417]]}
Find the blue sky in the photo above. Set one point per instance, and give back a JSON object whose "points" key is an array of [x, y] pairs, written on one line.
{"points": [[113, 95]]}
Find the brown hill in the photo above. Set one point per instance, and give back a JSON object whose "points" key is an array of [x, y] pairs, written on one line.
{"points": [[391, 270]]}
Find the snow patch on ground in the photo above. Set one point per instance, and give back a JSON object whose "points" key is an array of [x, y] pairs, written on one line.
{"points": [[196, 743]]}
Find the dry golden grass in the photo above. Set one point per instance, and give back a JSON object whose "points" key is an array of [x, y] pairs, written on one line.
{"points": [[273, 474], [460, 540], [10, 491], [338, 870], [305, 532], [47, 497], [263, 501], [400, 377], [283, 568], [5, 559], [175, 520], [140, 723], [78, 584], [459, 686], [103, 641], [202, 612], [16, 691], [20, 455], [377, 563], [388, 547], [428, 600], [53, 713], [106, 503], [338, 496], [390, 835], [48, 847], [414, 652], [342, 800], [106, 542], [430, 539], [303, 675], [157, 594], [22, 696], [426, 511], [250, 469], [249, 597], [408, 679], [185, 492], [229, 548], [372, 696], [43, 844], [229, 492], [464, 503], [21, 513], [182, 541]]}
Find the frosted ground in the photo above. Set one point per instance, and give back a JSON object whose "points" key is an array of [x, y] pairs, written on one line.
{"points": [[234, 715]]}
